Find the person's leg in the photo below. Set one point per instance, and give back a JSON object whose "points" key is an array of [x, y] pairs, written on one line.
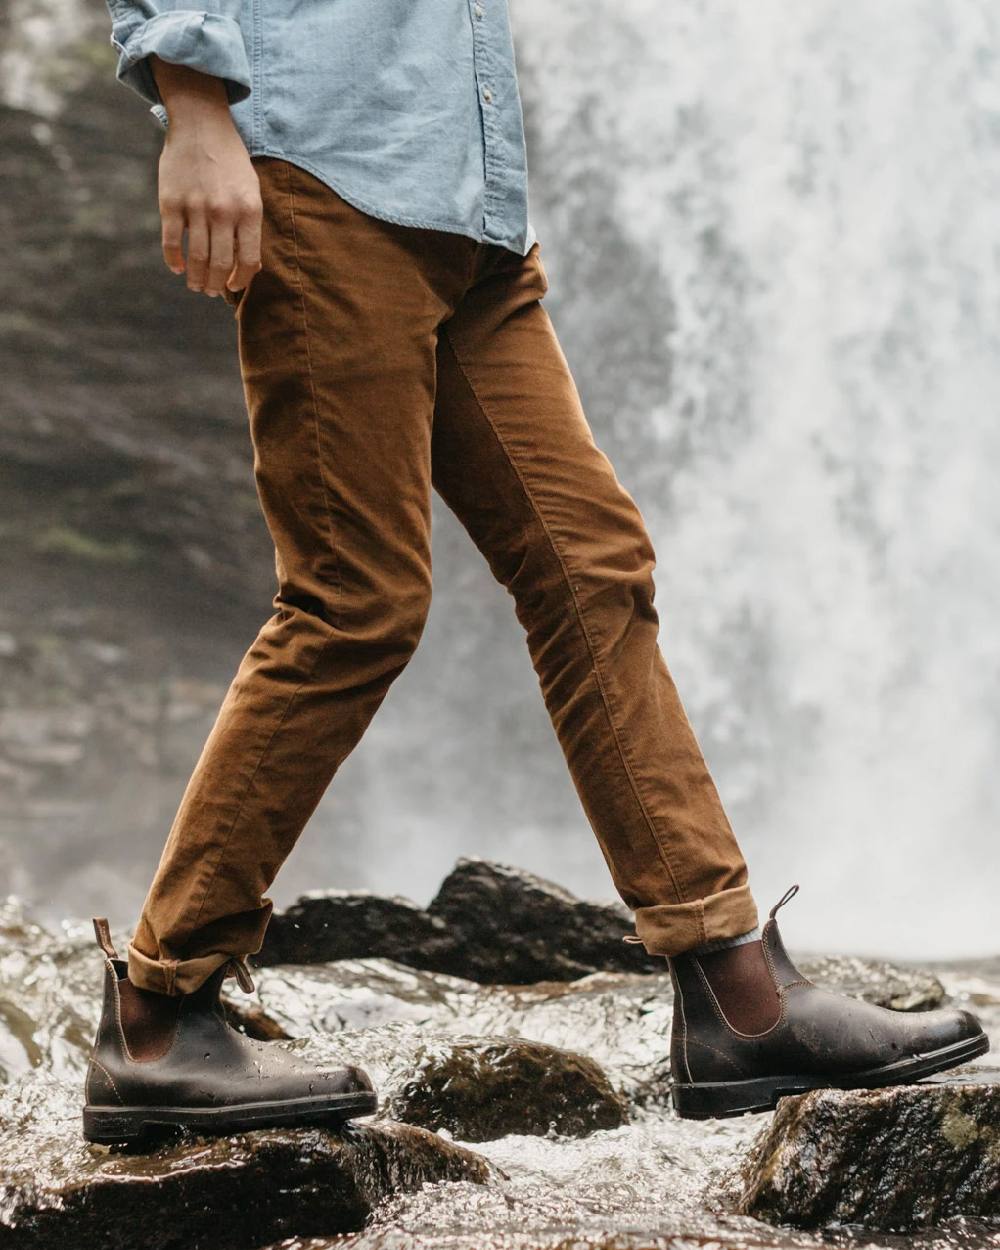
{"points": [[514, 457], [337, 339]]}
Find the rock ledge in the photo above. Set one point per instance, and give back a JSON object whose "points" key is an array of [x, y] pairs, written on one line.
{"points": [[899, 1158], [222, 1193]]}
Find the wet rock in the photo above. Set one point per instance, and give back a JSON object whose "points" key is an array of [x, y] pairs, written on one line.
{"points": [[489, 923], [224, 1193], [898, 1158], [328, 925], [514, 928], [478, 1088]]}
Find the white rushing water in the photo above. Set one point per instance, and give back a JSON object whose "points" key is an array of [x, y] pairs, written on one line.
{"points": [[818, 187]]}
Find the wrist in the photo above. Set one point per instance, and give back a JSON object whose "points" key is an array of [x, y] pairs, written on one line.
{"points": [[189, 95]]}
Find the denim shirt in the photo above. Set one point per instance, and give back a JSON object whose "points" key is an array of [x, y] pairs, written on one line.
{"points": [[408, 109]]}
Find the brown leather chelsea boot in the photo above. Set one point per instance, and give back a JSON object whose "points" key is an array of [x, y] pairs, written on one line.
{"points": [[749, 1028], [175, 1061]]}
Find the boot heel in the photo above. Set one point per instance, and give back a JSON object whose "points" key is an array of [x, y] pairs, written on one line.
{"points": [[709, 1100], [109, 1126]]}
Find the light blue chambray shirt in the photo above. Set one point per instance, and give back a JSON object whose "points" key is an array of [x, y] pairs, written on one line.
{"points": [[409, 109]]}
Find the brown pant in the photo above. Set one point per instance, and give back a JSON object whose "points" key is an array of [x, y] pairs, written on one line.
{"points": [[378, 360]]}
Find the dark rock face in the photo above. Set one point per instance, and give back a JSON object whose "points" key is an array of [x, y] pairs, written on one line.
{"points": [[897, 1158], [515, 928], [335, 924], [55, 1190], [478, 1088], [483, 1088], [489, 923]]}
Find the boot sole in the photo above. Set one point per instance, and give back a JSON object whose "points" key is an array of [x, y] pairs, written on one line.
{"points": [[714, 1100], [112, 1125]]}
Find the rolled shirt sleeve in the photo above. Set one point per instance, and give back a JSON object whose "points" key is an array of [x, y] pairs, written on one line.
{"points": [[208, 39]]}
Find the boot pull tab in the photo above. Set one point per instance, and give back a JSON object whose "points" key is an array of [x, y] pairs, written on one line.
{"points": [[103, 931], [237, 968], [787, 897]]}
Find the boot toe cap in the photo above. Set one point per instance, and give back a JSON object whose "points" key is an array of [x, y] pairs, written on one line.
{"points": [[963, 1025], [946, 1027], [347, 1080]]}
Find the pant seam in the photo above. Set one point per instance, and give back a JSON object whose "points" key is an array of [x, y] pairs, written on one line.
{"points": [[338, 586], [324, 483], [595, 665]]}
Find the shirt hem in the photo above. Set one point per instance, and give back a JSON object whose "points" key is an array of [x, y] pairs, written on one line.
{"points": [[384, 214]]}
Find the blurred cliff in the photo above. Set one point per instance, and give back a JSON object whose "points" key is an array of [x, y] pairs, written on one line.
{"points": [[773, 248]]}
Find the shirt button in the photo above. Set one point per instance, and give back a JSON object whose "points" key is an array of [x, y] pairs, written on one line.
{"points": [[479, 11], [487, 94]]}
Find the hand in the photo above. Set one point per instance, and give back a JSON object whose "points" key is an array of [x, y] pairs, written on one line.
{"points": [[207, 185]]}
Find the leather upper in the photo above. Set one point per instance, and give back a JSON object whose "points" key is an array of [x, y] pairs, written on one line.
{"points": [[818, 1033], [208, 1064]]}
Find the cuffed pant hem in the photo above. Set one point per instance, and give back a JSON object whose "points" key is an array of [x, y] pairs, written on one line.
{"points": [[172, 976], [672, 928]]}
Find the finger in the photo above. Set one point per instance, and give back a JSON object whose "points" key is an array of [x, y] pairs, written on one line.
{"points": [[172, 236], [198, 247], [248, 232], [223, 236]]}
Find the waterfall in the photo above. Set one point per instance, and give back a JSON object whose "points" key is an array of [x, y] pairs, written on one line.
{"points": [[816, 187]]}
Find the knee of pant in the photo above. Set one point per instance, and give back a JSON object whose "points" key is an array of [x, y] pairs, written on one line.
{"points": [[621, 595], [614, 567], [383, 617], [410, 616], [391, 622]]}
